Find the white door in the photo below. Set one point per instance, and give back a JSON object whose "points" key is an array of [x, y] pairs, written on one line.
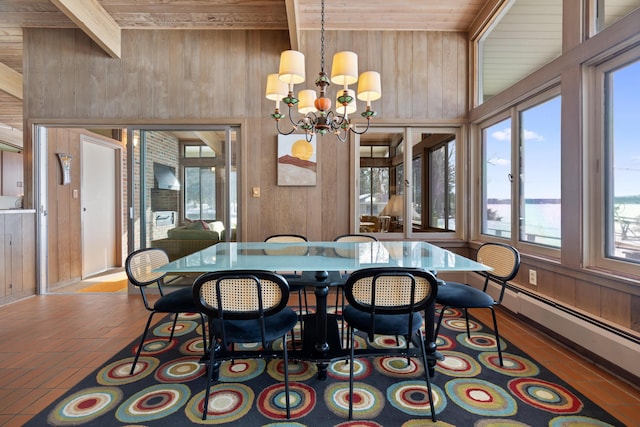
{"points": [[98, 197]]}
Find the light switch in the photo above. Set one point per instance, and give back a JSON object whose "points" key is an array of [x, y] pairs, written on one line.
{"points": [[75, 193], [256, 192]]}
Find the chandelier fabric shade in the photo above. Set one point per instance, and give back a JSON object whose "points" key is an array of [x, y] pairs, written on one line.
{"points": [[317, 116]]}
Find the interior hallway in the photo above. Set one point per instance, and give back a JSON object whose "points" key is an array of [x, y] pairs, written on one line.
{"points": [[51, 342]]}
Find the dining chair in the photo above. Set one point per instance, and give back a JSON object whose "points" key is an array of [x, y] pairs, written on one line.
{"points": [[301, 289], [505, 263], [358, 238], [388, 301], [244, 306], [139, 267]]}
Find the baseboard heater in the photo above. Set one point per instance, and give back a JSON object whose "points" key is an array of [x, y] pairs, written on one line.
{"points": [[620, 332], [614, 349]]}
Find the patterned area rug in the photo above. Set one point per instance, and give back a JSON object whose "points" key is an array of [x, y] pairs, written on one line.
{"points": [[470, 387]]}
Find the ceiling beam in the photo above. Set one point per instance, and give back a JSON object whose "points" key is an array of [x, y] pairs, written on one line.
{"points": [[211, 140], [91, 17], [292, 21], [10, 81]]}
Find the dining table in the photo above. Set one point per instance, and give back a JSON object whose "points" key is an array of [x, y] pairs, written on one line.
{"points": [[321, 265]]}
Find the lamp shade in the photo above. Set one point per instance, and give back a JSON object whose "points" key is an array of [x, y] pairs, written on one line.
{"points": [[344, 69], [291, 69], [394, 206], [276, 88], [369, 87], [351, 107], [306, 102]]}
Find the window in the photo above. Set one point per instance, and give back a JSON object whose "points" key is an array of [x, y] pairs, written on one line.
{"points": [[540, 173], [408, 180], [200, 193], [442, 185], [496, 179], [606, 12], [524, 37], [534, 153], [621, 103]]}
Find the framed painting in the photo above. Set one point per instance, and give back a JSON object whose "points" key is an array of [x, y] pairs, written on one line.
{"points": [[297, 161]]}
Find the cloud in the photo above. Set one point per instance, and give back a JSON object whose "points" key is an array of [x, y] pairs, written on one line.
{"points": [[531, 135], [498, 162], [502, 135]]}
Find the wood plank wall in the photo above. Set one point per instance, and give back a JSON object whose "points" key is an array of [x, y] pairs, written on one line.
{"points": [[17, 256], [63, 209], [207, 77]]}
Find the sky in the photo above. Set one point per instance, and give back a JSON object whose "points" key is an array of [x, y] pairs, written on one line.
{"points": [[541, 161]]}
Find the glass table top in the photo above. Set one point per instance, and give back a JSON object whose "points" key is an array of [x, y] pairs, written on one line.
{"points": [[321, 256]]}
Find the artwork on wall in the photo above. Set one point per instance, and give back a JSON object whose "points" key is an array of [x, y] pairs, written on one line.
{"points": [[65, 165], [297, 161]]}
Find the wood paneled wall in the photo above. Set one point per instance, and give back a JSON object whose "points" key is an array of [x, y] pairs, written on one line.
{"points": [[63, 209], [17, 255], [202, 77]]}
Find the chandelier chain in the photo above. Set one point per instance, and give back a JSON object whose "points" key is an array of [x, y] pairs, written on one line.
{"points": [[322, 38]]}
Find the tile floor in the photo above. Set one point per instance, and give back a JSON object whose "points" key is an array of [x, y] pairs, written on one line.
{"points": [[51, 342]]}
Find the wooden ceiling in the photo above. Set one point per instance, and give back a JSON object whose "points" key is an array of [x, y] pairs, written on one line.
{"points": [[291, 15]]}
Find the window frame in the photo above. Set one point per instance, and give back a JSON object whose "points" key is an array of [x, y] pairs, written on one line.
{"points": [[512, 113], [595, 193]]}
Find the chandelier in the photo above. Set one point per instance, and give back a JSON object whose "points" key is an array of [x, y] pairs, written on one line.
{"points": [[317, 117]]}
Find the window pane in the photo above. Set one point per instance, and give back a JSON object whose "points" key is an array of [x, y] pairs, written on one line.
{"points": [[200, 193], [416, 210], [609, 11], [191, 151], [437, 188], [528, 36], [496, 179], [451, 185], [623, 164], [540, 173]]}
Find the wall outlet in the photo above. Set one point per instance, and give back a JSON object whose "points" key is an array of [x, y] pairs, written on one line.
{"points": [[533, 277]]}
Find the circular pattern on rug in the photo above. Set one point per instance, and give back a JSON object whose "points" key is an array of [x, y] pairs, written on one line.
{"points": [[545, 395], [368, 401], [577, 420], [450, 312], [192, 347], [227, 403], [500, 423], [515, 366], [153, 403], [458, 365], [117, 373], [84, 406], [481, 397], [420, 423], [397, 367], [155, 346], [339, 369], [183, 327], [480, 341], [272, 401], [460, 324], [445, 343], [241, 370], [388, 341], [298, 371], [188, 316], [412, 397], [180, 370], [359, 423]]}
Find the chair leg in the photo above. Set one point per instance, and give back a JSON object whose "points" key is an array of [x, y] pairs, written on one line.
{"points": [[286, 376], [144, 336], [204, 334], [173, 328], [426, 375], [497, 335], [212, 357], [466, 319], [352, 333], [442, 310]]}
